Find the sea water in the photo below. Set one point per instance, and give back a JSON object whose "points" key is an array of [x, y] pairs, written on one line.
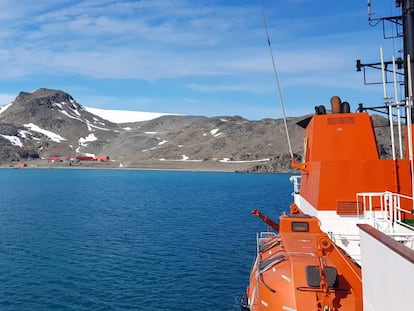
{"points": [[80, 239]]}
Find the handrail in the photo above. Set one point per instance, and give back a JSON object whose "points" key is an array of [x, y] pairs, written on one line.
{"points": [[384, 208], [295, 180], [389, 242], [263, 236]]}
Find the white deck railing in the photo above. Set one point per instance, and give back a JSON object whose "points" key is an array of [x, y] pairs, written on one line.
{"points": [[384, 210], [262, 238], [295, 180]]}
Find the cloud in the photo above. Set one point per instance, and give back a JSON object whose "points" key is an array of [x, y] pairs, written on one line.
{"points": [[215, 48], [244, 88], [132, 39], [142, 39]]}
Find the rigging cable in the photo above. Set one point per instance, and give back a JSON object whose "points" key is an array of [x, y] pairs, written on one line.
{"points": [[278, 89]]}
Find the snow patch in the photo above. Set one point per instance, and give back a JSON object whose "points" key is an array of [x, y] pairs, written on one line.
{"points": [[84, 140], [124, 116], [76, 112], [24, 134], [69, 116], [227, 160], [91, 126], [184, 158], [14, 140], [52, 136], [214, 133], [4, 108]]}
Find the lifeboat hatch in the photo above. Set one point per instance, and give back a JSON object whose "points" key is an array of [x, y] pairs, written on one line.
{"points": [[313, 276]]}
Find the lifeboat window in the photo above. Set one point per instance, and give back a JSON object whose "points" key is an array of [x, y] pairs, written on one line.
{"points": [[313, 277], [266, 246], [300, 226], [268, 263]]}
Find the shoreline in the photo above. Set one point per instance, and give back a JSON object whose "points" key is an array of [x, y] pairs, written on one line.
{"points": [[206, 166]]}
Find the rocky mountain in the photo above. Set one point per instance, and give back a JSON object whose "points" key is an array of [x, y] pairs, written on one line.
{"points": [[48, 123]]}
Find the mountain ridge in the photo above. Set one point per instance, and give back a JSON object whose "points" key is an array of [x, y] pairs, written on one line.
{"points": [[51, 123]]}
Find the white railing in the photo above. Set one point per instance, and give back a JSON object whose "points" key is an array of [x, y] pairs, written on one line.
{"points": [[295, 180], [262, 238], [384, 209]]}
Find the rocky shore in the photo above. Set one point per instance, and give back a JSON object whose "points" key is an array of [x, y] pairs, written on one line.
{"points": [[275, 166]]}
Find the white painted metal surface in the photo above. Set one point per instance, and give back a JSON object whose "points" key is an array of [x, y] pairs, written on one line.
{"points": [[387, 277]]}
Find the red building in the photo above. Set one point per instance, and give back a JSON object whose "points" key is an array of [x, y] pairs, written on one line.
{"points": [[54, 159], [101, 158], [84, 158]]}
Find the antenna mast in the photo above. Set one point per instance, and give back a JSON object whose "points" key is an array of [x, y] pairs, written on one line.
{"points": [[404, 28], [407, 9], [279, 90]]}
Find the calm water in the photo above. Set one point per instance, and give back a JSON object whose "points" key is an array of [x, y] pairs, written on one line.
{"points": [[130, 240]]}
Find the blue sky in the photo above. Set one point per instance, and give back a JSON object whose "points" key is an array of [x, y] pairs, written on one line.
{"points": [[194, 57]]}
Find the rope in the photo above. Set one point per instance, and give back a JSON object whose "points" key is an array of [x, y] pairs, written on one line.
{"points": [[278, 89]]}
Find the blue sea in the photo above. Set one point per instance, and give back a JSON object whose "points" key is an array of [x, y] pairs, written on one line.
{"points": [[80, 239]]}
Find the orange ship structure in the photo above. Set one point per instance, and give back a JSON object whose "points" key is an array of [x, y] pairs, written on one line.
{"points": [[346, 243]]}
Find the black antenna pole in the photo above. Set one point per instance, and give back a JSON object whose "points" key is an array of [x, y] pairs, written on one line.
{"points": [[404, 25], [407, 8]]}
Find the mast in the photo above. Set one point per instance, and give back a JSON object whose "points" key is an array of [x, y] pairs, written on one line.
{"points": [[407, 8], [404, 28]]}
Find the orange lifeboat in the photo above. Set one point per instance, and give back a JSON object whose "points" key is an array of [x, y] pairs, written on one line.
{"points": [[300, 268]]}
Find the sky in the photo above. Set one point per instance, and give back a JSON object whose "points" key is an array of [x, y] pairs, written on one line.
{"points": [[193, 57]]}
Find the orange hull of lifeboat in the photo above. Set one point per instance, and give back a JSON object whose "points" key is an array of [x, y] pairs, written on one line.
{"points": [[301, 269]]}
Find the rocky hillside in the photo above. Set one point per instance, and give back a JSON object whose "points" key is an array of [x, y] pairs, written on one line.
{"points": [[48, 123]]}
